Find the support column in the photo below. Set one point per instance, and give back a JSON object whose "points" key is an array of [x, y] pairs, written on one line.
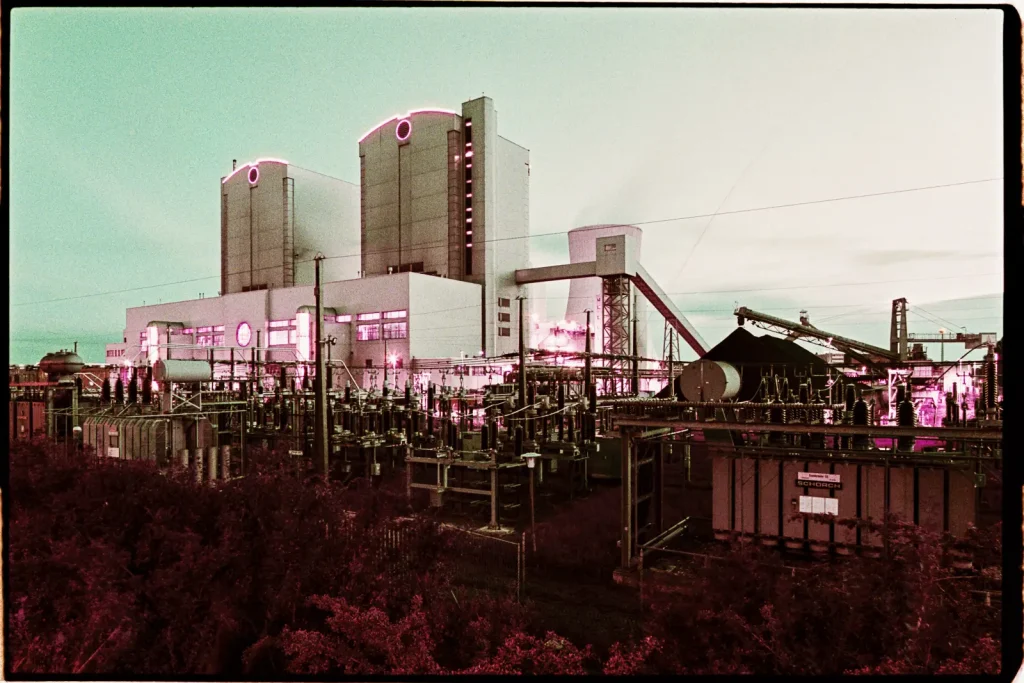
{"points": [[626, 523]]}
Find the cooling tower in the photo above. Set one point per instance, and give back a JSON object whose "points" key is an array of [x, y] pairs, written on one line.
{"points": [[585, 293]]}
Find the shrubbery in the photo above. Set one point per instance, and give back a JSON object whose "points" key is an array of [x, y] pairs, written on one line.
{"points": [[118, 568]]}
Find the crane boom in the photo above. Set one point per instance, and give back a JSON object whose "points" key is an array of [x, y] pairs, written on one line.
{"points": [[798, 329]]}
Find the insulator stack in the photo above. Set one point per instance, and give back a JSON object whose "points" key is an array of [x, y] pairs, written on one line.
{"points": [[519, 441], [906, 417], [561, 411], [990, 385], [119, 392], [569, 435]]}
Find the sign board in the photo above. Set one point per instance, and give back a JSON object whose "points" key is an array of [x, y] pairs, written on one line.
{"points": [[818, 480], [816, 505], [299, 453]]}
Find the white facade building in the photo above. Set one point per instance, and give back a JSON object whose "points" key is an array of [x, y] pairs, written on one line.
{"points": [[411, 315]]}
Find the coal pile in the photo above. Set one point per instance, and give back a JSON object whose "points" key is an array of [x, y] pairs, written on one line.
{"points": [[753, 356]]}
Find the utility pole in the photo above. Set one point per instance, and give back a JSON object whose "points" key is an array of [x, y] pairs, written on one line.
{"points": [[636, 354], [672, 385], [522, 354], [587, 369], [320, 435]]}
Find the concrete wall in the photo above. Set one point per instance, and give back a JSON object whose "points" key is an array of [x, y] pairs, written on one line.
{"points": [[405, 195], [445, 317], [325, 219], [315, 212], [509, 248], [252, 228], [368, 295]]}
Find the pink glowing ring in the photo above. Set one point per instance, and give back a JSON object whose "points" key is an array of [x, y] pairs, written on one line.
{"points": [[243, 334], [403, 130], [254, 175]]}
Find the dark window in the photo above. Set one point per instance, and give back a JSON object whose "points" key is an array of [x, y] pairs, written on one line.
{"points": [[504, 332], [504, 317], [369, 362], [504, 303]]}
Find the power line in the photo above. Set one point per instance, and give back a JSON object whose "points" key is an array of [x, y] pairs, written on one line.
{"points": [[822, 201], [442, 244], [933, 315]]}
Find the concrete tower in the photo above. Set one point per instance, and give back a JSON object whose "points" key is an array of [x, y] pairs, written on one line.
{"points": [[585, 293], [444, 194], [275, 217]]}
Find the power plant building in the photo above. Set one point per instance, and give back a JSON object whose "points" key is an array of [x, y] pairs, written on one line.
{"points": [[420, 257]]}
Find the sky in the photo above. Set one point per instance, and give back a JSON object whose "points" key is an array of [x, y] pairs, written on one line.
{"points": [[703, 126]]}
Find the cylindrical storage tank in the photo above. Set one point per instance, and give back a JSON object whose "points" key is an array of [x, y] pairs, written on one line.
{"points": [[198, 463], [225, 462], [183, 456], [61, 364], [182, 371], [708, 380], [211, 461]]}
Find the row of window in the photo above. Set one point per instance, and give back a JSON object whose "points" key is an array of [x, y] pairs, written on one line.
{"points": [[372, 331], [285, 333]]}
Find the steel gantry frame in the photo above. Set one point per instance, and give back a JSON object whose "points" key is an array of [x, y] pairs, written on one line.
{"points": [[615, 310]]}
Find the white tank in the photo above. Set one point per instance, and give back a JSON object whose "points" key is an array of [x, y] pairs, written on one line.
{"points": [[181, 371], [708, 380], [585, 293]]}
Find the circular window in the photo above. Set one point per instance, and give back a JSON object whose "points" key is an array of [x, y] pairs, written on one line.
{"points": [[404, 130], [254, 175], [243, 334]]}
